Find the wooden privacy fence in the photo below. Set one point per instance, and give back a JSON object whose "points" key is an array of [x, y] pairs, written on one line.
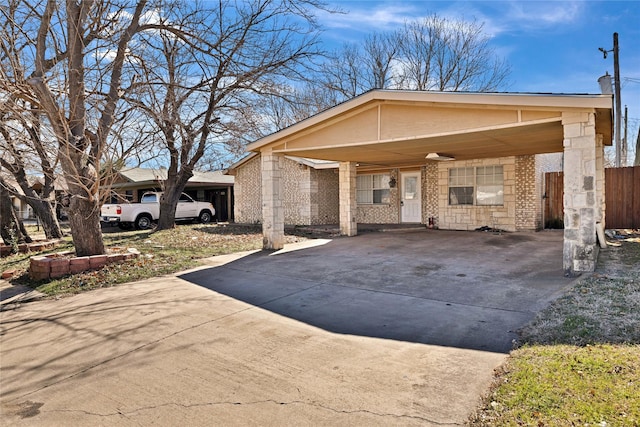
{"points": [[622, 195], [622, 198]]}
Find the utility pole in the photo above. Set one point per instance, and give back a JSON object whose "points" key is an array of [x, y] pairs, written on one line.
{"points": [[616, 78], [624, 139]]}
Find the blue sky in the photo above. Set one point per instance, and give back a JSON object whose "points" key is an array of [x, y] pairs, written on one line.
{"points": [[552, 46]]}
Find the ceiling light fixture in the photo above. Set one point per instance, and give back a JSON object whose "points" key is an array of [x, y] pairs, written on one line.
{"points": [[439, 157]]}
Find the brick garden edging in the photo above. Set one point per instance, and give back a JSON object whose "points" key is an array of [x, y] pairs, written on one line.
{"points": [[60, 264], [37, 246]]}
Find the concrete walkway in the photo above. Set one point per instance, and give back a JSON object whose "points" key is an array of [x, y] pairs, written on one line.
{"points": [[264, 348]]}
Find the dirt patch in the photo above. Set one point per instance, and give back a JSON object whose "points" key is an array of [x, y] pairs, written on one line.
{"points": [[25, 409], [426, 268], [508, 239], [600, 308]]}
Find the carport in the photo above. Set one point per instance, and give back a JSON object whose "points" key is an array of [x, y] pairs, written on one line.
{"points": [[402, 129]]}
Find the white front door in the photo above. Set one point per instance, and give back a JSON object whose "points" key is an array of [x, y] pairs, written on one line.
{"points": [[410, 198]]}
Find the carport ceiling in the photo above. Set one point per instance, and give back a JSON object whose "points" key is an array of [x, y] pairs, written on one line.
{"points": [[513, 141]]}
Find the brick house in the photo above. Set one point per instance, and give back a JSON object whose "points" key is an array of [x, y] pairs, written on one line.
{"points": [[311, 193], [459, 160]]}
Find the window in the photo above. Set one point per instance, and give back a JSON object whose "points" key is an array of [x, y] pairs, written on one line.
{"points": [[461, 186], [372, 189], [489, 181], [481, 186], [184, 198]]}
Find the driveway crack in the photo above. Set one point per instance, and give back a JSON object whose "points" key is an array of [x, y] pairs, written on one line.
{"points": [[257, 402]]}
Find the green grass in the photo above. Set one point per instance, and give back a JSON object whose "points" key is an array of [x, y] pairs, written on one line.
{"points": [[162, 252], [566, 385], [579, 360]]}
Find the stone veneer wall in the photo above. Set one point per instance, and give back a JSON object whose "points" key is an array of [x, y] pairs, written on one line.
{"points": [[310, 195], [429, 192], [382, 214], [297, 192], [325, 197], [528, 206], [247, 203], [471, 217]]}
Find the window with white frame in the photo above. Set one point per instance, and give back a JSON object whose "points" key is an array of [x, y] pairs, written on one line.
{"points": [[480, 186], [372, 189]]}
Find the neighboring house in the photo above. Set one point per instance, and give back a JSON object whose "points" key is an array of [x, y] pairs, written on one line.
{"points": [[22, 208], [215, 187], [455, 160]]}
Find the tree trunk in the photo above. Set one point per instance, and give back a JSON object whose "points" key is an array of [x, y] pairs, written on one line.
{"points": [[167, 219], [84, 219], [11, 227], [47, 216], [170, 197], [39, 202]]}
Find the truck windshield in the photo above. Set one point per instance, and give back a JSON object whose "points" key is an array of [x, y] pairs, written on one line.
{"points": [[148, 198]]}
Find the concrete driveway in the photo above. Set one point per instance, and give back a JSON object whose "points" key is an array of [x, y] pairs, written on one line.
{"points": [[455, 289], [400, 328]]}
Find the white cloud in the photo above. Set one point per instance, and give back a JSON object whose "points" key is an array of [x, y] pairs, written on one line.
{"points": [[498, 17], [542, 14], [106, 55], [373, 16], [151, 17]]}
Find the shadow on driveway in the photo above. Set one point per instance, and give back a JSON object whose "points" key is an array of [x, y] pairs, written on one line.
{"points": [[457, 289]]}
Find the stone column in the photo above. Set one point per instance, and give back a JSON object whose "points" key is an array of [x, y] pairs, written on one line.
{"points": [[272, 208], [600, 184], [348, 204], [581, 208]]}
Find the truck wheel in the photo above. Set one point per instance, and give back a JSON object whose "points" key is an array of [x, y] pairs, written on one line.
{"points": [[143, 222], [205, 217]]}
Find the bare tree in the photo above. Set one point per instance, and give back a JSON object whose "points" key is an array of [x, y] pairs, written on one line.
{"points": [[12, 229], [380, 53], [54, 57], [217, 61], [276, 112], [25, 149], [430, 54], [343, 73], [447, 55]]}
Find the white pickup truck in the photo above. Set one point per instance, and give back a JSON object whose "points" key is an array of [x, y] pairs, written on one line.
{"points": [[142, 215]]}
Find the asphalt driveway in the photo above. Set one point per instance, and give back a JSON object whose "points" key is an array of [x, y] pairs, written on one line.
{"points": [[400, 328]]}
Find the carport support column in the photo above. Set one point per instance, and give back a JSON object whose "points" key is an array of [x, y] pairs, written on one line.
{"points": [[581, 200], [272, 208], [348, 206]]}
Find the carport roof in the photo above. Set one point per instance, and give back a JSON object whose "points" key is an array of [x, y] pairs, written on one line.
{"points": [[399, 128], [145, 176]]}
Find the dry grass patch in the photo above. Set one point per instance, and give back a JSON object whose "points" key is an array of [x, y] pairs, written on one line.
{"points": [[579, 364], [162, 252]]}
